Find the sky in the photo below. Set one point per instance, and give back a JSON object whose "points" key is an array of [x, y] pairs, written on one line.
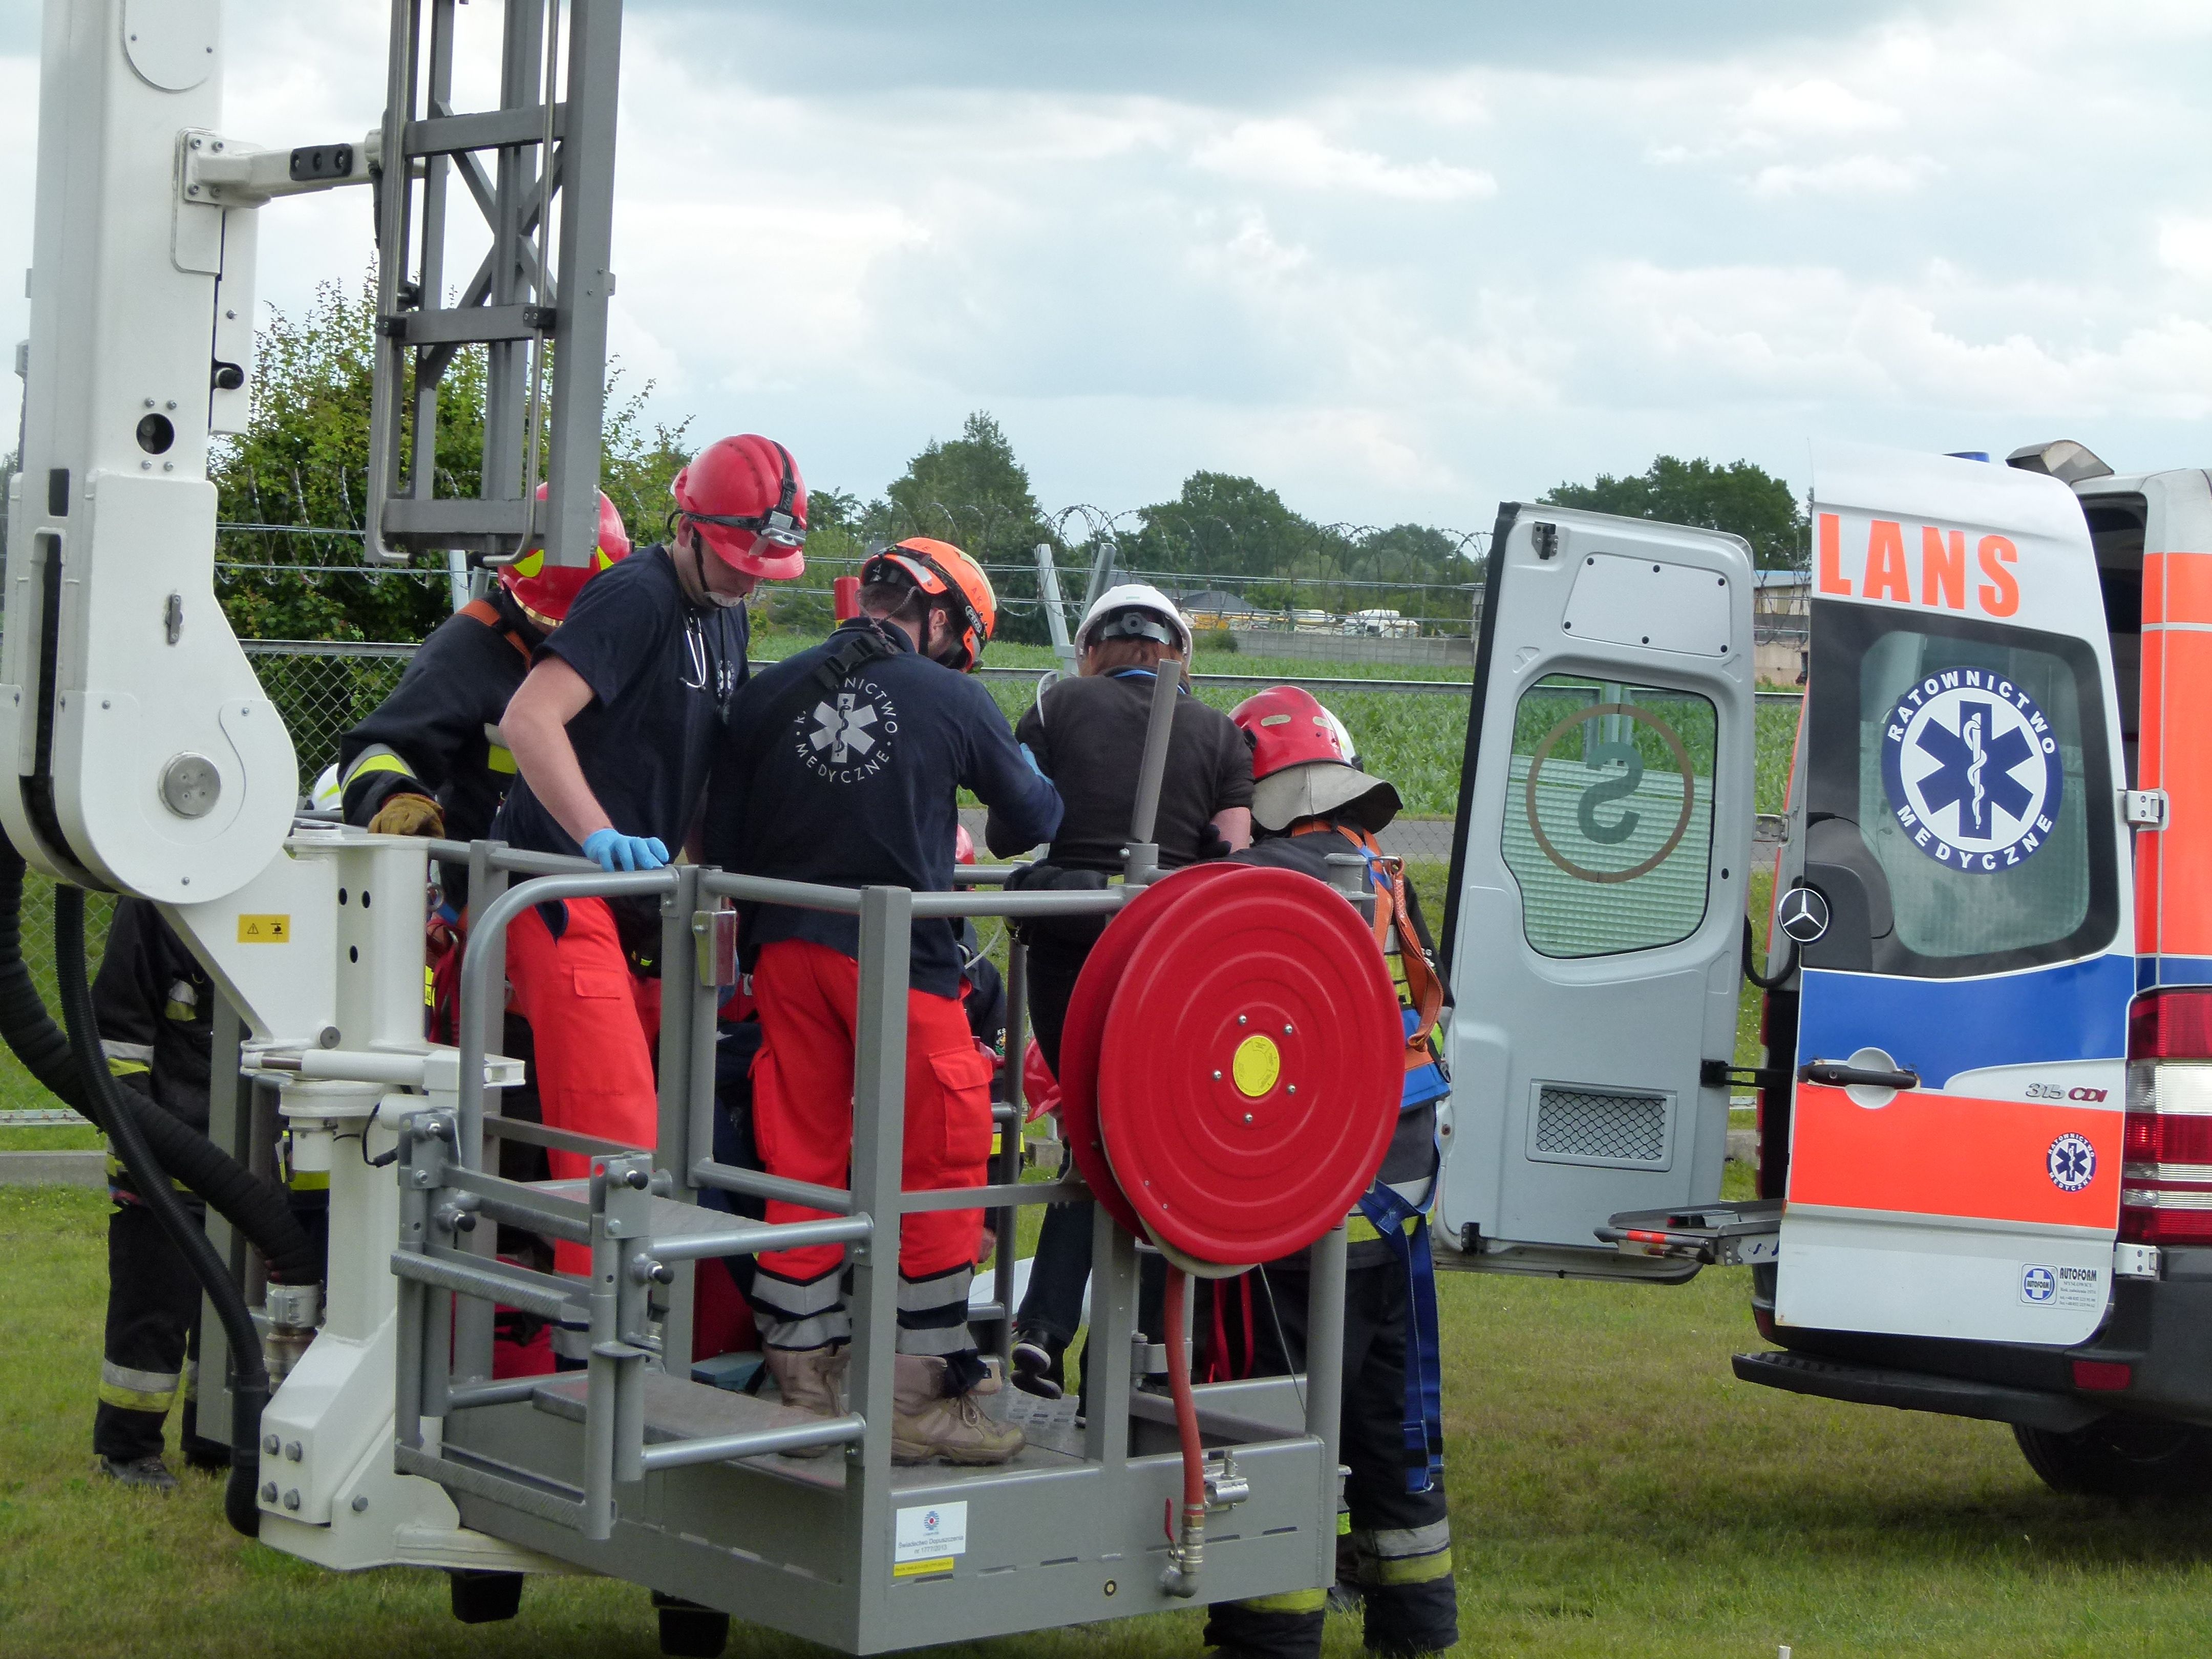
{"points": [[1400, 261]]}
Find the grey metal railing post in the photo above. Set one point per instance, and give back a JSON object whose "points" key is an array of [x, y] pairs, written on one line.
{"points": [[1143, 856], [1107, 1357], [679, 1013], [1324, 1367], [600, 1375], [878, 1143], [473, 1318], [698, 1144], [1008, 1165]]}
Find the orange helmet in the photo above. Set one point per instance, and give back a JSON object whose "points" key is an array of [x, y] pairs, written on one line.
{"points": [[939, 567], [544, 593], [748, 504]]}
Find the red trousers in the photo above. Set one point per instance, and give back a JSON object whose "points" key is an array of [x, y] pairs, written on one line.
{"points": [[807, 995], [595, 1023]]}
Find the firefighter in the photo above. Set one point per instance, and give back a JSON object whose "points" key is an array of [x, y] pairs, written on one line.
{"points": [[1087, 735], [1310, 799], [432, 759], [842, 765], [613, 733], [738, 1041], [155, 1009]]}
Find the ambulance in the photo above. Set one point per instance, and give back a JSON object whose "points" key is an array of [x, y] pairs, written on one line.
{"points": [[1984, 1113]]}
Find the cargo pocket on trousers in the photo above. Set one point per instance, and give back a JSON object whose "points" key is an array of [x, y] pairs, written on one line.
{"points": [[964, 1077]]}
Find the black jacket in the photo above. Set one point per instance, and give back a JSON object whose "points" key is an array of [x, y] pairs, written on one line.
{"points": [[438, 734], [155, 1009], [842, 765]]}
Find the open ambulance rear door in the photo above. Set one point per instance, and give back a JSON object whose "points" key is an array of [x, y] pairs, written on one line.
{"points": [[1595, 926], [1954, 1141]]}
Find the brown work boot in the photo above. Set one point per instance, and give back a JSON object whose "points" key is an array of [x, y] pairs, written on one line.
{"points": [[810, 1380], [924, 1424]]}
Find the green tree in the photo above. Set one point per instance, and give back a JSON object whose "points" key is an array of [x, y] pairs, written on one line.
{"points": [[292, 492], [1738, 497], [1223, 524], [973, 492]]}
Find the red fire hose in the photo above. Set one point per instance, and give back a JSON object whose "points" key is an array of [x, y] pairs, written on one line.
{"points": [[1181, 1577]]}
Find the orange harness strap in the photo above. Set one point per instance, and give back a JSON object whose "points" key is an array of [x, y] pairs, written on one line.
{"points": [[485, 611], [1425, 992]]}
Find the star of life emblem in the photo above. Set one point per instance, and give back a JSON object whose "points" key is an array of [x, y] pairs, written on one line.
{"points": [[1972, 770], [842, 728], [2071, 1163]]}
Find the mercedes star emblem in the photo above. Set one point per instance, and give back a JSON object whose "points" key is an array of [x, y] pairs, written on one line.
{"points": [[1803, 914]]}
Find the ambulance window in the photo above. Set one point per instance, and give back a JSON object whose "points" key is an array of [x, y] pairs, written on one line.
{"points": [[1609, 824], [1959, 753]]}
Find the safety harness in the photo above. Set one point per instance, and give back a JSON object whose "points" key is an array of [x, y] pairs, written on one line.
{"points": [[1403, 1229]]}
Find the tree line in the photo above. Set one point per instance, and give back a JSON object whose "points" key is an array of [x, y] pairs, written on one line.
{"points": [[292, 499]]}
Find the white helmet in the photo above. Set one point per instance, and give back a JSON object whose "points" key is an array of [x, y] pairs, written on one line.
{"points": [[326, 796], [1134, 610]]}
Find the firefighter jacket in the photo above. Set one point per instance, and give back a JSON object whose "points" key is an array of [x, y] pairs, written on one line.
{"points": [[155, 1009], [438, 733]]}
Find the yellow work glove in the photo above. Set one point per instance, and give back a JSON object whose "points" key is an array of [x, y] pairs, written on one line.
{"points": [[409, 815]]}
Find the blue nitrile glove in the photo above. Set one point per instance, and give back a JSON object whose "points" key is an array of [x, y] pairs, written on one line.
{"points": [[614, 851]]}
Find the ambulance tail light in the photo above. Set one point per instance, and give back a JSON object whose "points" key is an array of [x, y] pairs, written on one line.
{"points": [[2165, 1170]]}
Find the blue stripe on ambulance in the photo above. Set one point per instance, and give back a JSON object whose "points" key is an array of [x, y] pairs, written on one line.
{"points": [[1940, 1027]]}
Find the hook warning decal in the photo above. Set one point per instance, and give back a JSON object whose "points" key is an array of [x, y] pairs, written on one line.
{"points": [[1972, 770]]}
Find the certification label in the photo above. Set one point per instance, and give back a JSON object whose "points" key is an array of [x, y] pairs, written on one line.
{"points": [[928, 1538]]}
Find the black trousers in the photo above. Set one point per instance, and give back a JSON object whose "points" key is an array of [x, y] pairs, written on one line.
{"points": [[1053, 1303], [1398, 1552], [152, 1342]]}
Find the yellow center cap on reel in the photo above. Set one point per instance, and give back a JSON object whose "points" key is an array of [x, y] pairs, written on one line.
{"points": [[1258, 1062]]}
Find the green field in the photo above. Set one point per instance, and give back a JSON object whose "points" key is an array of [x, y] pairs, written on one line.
{"points": [[1615, 1492]]}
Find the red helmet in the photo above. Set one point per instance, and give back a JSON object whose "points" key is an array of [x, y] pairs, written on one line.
{"points": [[938, 568], [544, 593], [1288, 726], [1302, 765], [748, 504]]}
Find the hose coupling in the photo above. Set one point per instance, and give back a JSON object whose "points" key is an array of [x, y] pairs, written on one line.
{"points": [[1188, 1558]]}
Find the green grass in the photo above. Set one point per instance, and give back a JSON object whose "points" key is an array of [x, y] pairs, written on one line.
{"points": [[1614, 1492]]}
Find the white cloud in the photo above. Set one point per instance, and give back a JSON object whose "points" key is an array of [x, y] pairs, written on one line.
{"points": [[2184, 245], [1819, 107], [1295, 154], [1850, 175], [1932, 229]]}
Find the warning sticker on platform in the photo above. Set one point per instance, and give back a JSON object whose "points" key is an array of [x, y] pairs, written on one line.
{"points": [[928, 1538]]}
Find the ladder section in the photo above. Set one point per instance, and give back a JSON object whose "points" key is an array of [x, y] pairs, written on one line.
{"points": [[536, 302]]}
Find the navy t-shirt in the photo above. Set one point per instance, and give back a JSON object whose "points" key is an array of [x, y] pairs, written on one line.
{"points": [[662, 670], [857, 785]]}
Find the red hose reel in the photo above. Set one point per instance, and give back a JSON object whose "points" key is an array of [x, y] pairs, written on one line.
{"points": [[1231, 1065]]}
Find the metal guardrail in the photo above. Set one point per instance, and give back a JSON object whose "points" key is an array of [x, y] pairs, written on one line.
{"points": [[451, 1280]]}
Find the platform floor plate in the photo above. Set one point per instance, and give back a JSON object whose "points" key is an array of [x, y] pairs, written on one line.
{"points": [[676, 1409]]}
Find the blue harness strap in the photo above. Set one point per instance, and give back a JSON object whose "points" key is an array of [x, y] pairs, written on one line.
{"points": [[1423, 1422]]}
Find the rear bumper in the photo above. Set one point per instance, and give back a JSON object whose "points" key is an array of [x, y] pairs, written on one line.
{"points": [[2160, 1329], [1916, 1391]]}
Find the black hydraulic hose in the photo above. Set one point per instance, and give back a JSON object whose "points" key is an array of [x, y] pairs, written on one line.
{"points": [[1777, 979], [249, 1387], [258, 1208]]}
